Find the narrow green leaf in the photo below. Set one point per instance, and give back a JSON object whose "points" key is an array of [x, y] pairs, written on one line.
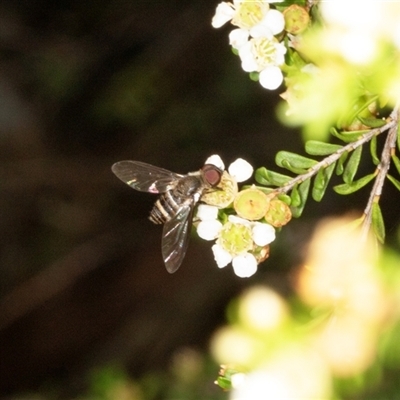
{"points": [[372, 122], [303, 190], [317, 148], [348, 137], [372, 147], [286, 158], [285, 198], [321, 182], [347, 188], [295, 197], [298, 171], [352, 165], [378, 224], [394, 181], [269, 178], [340, 163], [396, 162]]}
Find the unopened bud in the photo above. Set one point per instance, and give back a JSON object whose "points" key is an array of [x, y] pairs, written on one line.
{"points": [[297, 19], [251, 204]]}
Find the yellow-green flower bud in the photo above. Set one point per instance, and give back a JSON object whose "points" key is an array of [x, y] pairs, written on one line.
{"points": [[251, 204], [297, 19], [278, 214]]}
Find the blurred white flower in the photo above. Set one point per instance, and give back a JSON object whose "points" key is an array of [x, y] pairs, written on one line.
{"points": [[357, 39]]}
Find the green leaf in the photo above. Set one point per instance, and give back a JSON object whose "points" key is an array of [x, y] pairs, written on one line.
{"points": [[298, 171], [303, 190], [372, 122], [377, 222], [348, 137], [352, 165], [269, 178], [285, 198], [317, 148], [340, 163], [347, 188], [287, 159], [295, 197], [372, 147], [394, 181], [321, 182], [396, 162]]}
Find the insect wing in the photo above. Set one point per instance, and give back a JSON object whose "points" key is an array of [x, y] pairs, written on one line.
{"points": [[145, 177], [175, 238]]}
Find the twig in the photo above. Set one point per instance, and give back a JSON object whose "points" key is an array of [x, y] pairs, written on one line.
{"points": [[383, 169], [336, 155]]}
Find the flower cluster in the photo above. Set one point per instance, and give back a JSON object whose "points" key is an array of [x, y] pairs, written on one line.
{"points": [[242, 223], [255, 38]]}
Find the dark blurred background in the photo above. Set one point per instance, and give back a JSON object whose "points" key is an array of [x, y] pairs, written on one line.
{"points": [[86, 84]]}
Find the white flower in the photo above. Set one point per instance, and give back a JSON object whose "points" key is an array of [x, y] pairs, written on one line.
{"points": [[253, 17], [264, 55], [244, 265], [241, 170]]}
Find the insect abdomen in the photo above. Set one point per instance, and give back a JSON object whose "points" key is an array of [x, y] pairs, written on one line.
{"points": [[164, 208]]}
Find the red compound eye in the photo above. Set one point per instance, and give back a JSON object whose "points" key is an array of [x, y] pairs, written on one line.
{"points": [[212, 174]]}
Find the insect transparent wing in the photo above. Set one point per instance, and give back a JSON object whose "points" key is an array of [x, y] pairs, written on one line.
{"points": [[175, 238], [145, 177]]}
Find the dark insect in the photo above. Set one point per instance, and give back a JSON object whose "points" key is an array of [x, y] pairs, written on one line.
{"points": [[174, 208]]}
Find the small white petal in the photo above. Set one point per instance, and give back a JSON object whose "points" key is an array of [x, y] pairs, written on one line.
{"points": [[238, 220], [271, 77], [249, 63], [223, 14], [244, 265], [221, 256], [241, 170], [206, 212], [261, 30], [209, 230], [238, 38], [216, 160], [263, 234], [275, 21]]}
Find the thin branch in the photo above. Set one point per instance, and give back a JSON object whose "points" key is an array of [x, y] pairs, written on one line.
{"points": [[366, 137], [383, 169]]}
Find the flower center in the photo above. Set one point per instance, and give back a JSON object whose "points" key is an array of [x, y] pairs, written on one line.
{"points": [[264, 51], [235, 238], [250, 13]]}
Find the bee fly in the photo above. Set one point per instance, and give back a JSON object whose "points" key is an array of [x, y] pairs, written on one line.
{"points": [[174, 208]]}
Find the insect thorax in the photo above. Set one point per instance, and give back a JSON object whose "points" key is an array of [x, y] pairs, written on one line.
{"points": [[186, 191]]}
